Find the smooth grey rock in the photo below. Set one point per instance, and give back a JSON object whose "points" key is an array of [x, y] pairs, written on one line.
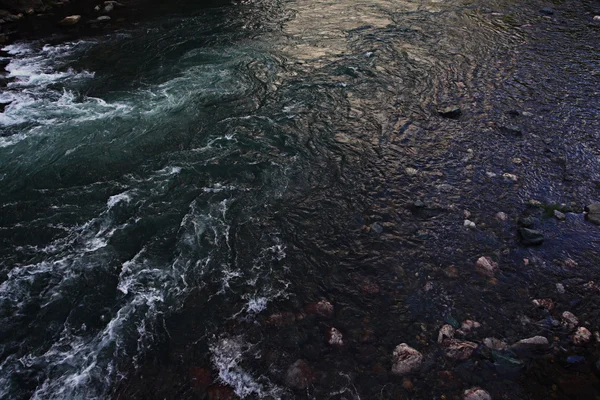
{"points": [[593, 213]]}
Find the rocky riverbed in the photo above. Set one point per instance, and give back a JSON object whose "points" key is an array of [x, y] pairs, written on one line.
{"points": [[301, 199]]}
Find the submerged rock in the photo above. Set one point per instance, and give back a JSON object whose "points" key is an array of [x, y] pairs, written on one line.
{"points": [[548, 304], [531, 343], [334, 337], [70, 20], [531, 237], [299, 375], [452, 112], [486, 266], [593, 213], [323, 309], [458, 349], [582, 336], [406, 360], [547, 11], [446, 332], [476, 394], [495, 344], [569, 319], [501, 216]]}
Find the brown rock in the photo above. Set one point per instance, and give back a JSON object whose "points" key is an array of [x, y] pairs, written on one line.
{"points": [[486, 266]]}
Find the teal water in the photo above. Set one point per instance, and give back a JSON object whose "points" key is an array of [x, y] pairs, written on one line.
{"points": [[167, 187]]}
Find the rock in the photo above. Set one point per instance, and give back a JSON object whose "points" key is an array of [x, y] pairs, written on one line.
{"points": [[548, 304], [446, 332], [411, 171], [458, 349], [559, 216], [419, 204], [469, 325], [570, 263], [70, 20], [547, 11], [451, 272], [476, 393], [530, 343], [512, 130], [103, 18], [323, 309], [526, 222], [569, 319], [531, 237], [582, 336], [597, 18], [469, 224], [510, 177], [108, 8], [406, 360], [501, 216], [299, 375], [452, 112], [486, 266], [593, 213], [495, 344], [334, 337], [560, 288]]}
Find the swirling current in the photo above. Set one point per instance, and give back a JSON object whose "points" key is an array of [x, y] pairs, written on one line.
{"points": [[262, 200]]}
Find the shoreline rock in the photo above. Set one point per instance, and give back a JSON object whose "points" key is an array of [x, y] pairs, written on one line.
{"points": [[406, 360]]}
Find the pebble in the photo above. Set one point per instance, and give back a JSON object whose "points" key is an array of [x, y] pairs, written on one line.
{"points": [[560, 288], [597, 18], [335, 337], [70, 20], [452, 112], [411, 171], [323, 309], [495, 344], [476, 393], [593, 213], [569, 319], [582, 336], [531, 237], [446, 332], [510, 177], [458, 349], [559, 215], [486, 266], [501, 216], [406, 360], [536, 341], [548, 304], [469, 224]]}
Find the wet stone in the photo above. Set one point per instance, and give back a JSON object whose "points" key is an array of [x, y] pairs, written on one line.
{"points": [[501, 216], [569, 319], [593, 213], [486, 266], [322, 309], [495, 344], [531, 343], [452, 112], [70, 20], [559, 215], [547, 304], [458, 349], [582, 336], [334, 337], [531, 237], [476, 394], [446, 332], [406, 360]]}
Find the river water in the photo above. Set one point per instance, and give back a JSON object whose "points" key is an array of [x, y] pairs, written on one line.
{"points": [[176, 195]]}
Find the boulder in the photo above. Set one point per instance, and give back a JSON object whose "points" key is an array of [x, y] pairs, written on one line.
{"points": [[406, 360]]}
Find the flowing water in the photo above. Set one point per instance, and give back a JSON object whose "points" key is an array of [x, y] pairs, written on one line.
{"points": [[176, 194]]}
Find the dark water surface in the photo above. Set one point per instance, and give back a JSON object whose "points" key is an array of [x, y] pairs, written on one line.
{"points": [[176, 195]]}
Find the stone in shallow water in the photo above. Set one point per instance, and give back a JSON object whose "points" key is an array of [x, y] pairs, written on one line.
{"points": [[531, 237], [486, 266], [531, 343], [593, 213], [458, 349], [70, 20], [559, 215], [582, 336], [452, 112], [406, 360], [569, 319], [547, 11], [334, 337], [476, 394]]}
